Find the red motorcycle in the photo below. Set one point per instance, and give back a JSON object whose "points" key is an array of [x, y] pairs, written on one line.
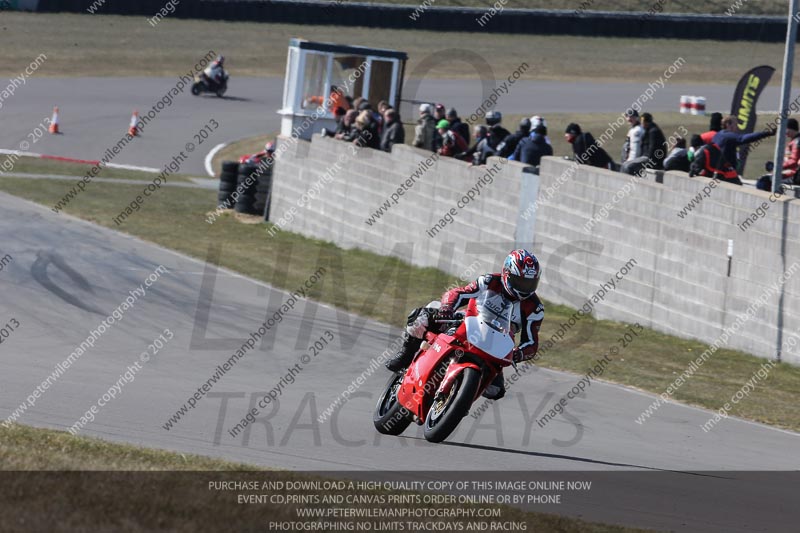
{"points": [[450, 371]]}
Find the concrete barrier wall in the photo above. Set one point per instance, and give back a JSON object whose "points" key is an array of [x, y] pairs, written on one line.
{"points": [[483, 230], [678, 283]]}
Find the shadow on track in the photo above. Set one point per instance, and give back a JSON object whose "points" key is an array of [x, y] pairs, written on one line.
{"points": [[560, 456]]}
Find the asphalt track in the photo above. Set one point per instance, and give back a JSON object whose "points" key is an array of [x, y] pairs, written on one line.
{"points": [[67, 275], [95, 112]]}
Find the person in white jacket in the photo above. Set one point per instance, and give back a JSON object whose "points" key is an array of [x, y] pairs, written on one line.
{"points": [[633, 142]]}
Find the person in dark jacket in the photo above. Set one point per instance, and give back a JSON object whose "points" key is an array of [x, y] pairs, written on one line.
{"points": [[728, 139], [346, 129], [496, 131], [509, 144], [585, 148], [367, 131], [496, 134], [715, 125], [654, 148], [456, 125], [393, 131], [678, 158], [530, 150]]}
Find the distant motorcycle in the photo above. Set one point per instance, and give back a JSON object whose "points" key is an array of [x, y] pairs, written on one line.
{"points": [[450, 371], [204, 84]]}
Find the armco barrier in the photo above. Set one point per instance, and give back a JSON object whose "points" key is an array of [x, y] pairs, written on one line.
{"points": [[536, 22], [679, 284]]}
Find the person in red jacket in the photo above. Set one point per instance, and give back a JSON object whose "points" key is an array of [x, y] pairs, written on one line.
{"points": [[516, 282], [452, 142], [791, 157], [714, 126]]}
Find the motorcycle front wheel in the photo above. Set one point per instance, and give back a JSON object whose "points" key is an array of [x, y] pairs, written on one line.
{"points": [[196, 88], [448, 410], [391, 418]]}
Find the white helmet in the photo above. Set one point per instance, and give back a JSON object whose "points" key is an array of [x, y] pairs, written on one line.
{"points": [[537, 121]]}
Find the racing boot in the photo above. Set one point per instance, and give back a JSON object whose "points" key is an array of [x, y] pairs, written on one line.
{"points": [[405, 354], [496, 389]]}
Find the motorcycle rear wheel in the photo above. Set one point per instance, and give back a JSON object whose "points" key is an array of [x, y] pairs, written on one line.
{"points": [[446, 413], [391, 418]]}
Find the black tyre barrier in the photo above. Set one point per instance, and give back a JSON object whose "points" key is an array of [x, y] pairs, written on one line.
{"points": [[225, 186], [229, 168], [247, 183]]}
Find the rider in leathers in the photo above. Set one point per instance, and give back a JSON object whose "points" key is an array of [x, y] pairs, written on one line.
{"points": [[216, 71], [517, 282]]}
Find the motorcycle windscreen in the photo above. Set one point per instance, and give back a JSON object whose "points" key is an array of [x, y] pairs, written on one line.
{"points": [[490, 330]]}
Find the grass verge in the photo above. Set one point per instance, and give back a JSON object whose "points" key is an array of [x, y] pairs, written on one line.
{"points": [[34, 165], [357, 280], [86, 484], [108, 45]]}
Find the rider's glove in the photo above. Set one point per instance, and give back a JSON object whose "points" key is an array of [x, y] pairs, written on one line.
{"points": [[445, 313], [516, 356]]}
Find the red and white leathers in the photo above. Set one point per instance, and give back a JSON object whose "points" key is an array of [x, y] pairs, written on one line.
{"points": [[526, 318]]}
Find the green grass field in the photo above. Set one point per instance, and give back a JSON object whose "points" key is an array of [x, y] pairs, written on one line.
{"points": [[105, 45], [176, 219]]}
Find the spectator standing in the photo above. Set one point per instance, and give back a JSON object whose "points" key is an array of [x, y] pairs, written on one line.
{"points": [[493, 120], [678, 158], [632, 148], [393, 131], [452, 142], [585, 149], [537, 121], [438, 113], [456, 125], [791, 159], [480, 133], [654, 148], [728, 140], [694, 145], [346, 129], [531, 149], [425, 131], [714, 126], [366, 131], [509, 144], [338, 115], [496, 134]]}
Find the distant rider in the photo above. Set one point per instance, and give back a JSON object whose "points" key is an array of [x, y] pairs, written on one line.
{"points": [[216, 71], [517, 283]]}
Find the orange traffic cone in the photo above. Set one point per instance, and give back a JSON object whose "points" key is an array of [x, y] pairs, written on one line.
{"points": [[133, 130], [54, 122]]}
